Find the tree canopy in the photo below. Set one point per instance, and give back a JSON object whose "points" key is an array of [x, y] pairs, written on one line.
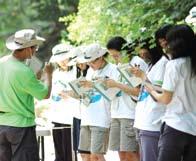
{"points": [[86, 21], [132, 19], [41, 15]]}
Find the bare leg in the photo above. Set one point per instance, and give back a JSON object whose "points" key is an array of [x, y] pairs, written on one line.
{"points": [[132, 156], [85, 157], [97, 157], [128, 156]]}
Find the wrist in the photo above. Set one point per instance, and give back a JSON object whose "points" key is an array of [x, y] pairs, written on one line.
{"points": [[152, 92], [118, 85]]}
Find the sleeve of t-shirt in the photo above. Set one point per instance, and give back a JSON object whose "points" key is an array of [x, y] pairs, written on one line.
{"points": [[156, 74], [35, 87], [171, 77]]}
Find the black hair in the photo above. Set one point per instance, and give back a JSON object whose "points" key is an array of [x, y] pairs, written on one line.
{"points": [[120, 44], [155, 52], [161, 34], [105, 55], [162, 31], [182, 43], [145, 43], [116, 43], [80, 73]]}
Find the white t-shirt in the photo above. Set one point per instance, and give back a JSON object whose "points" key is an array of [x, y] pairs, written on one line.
{"points": [[181, 111], [148, 112], [124, 106], [62, 110], [98, 111]]}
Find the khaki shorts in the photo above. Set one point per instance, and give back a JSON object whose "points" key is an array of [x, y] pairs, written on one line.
{"points": [[93, 139], [122, 135]]}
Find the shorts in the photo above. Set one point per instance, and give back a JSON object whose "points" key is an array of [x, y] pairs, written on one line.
{"points": [[93, 139], [122, 135]]}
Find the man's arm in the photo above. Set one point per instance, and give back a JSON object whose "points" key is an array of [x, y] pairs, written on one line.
{"points": [[47, 74]]}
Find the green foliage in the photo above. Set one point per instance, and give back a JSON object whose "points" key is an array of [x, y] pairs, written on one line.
{"points": [[12, 17], [132, 19], [41, 15], [96, 20]]}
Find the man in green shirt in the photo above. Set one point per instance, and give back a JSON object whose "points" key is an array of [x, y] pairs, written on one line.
{"points": [[18, 88]]}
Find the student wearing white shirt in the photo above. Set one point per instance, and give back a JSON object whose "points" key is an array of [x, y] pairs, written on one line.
{"points": [[95, 118], [123, 141], [81, 71], [61, 108], [149, 112], [178, 134], [80, 68], [122, 136]]}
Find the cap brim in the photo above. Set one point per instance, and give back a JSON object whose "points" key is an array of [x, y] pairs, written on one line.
{"points": [[77, 60], [189, 19], [61, 57], [58, 58], [12, 45], [101, 52]]}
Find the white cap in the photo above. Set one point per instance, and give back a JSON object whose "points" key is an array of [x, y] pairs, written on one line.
{"points": [[60, 52], [191, 18], [77, 56], [94, 51]]}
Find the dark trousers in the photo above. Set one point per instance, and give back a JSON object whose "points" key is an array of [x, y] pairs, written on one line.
{"points": [[175, 145], [62, 143], [149, 145], [18, 144], [76, 135]]}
